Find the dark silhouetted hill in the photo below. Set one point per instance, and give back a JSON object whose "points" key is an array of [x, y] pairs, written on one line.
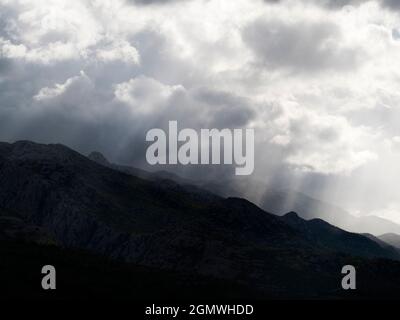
{"points": [[184, 230]]}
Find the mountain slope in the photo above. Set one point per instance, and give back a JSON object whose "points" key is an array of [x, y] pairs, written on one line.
{"points": [[281, 202], [153, 176], [333, 238], [382, 243], [277, 202], [391, 238], [85, 205], [81, 275]]}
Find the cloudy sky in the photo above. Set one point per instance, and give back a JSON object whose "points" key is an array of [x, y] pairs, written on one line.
{"points": [[317, 80]]}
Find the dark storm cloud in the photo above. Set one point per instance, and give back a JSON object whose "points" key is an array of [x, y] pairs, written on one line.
{"points": [[338, 4], [197, 109], [8, 18], [330, 4], [80, 113], [298, 46], [229, 110], [392, 4], [5, 66]]}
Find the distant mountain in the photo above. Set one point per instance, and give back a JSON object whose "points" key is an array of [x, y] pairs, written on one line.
{"points": [[333, 238], [382, 243], [277, 202], [281, 202], [183, 229], [392, 239]]}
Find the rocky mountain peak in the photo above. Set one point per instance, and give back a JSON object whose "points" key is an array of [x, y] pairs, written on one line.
{"points": [[292, 215], [99, 158]]}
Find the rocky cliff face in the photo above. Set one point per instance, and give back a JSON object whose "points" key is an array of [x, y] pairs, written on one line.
{"points": [[13, 228]]}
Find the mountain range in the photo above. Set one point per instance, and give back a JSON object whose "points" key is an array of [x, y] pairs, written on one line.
{"points": [[278, 201], [283, 201], [391, 238], [55, 202]]}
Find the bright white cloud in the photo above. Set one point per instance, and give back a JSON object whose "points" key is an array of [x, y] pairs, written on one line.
{"points": [[390, 212], [118, 51], [145, 95], [80, 82], [318, 142]]}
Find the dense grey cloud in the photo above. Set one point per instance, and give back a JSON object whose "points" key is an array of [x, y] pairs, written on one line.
{"points": [[304, 46], [393, 4], [338, 4], [79, 114], [229, 110], [326, 3], [331, 4], [153, 2]]}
